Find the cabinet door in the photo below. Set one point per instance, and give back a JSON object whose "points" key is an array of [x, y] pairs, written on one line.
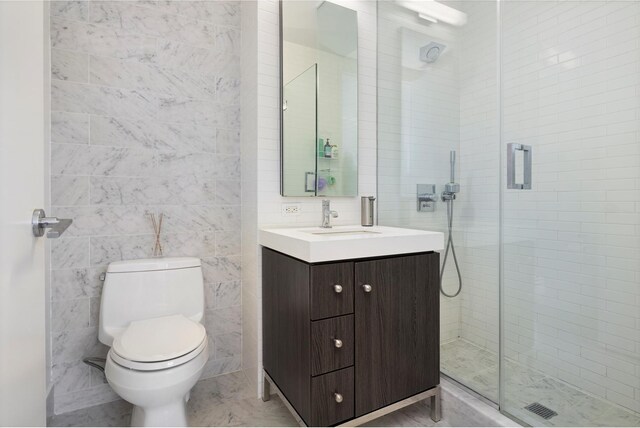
{"points": [[396, 329]]}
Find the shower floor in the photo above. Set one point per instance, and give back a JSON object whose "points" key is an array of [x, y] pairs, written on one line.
{"points": [[477, 368]]}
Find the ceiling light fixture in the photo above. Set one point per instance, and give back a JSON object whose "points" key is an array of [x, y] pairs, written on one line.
{"points": [[434, 11], [428, 18]]}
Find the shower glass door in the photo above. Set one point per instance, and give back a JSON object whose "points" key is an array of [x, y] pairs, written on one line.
{"points": [[570, 292], [547, 322], [428, 106]]}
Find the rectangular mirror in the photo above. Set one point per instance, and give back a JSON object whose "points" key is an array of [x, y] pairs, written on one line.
{"points": [[319, 90]]}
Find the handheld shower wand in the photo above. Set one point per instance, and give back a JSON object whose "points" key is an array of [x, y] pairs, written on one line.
{"points": [[452, 162], [448, 196]]}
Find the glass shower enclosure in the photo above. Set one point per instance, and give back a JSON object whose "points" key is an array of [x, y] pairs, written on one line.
{"points": [[540, 101]]}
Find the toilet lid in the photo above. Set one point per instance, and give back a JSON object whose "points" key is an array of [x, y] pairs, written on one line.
{"points": [[159, 339]]}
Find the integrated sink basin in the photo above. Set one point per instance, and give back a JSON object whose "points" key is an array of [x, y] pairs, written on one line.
{"points": [[315, 244]]}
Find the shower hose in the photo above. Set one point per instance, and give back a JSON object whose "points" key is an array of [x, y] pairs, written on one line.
{"points": [[453, 251]]}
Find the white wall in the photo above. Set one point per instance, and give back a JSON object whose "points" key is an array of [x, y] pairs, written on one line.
{"points": [[249, 194], [263, 138]]}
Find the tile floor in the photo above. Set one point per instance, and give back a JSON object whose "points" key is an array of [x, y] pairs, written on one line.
{"points": [[477, 368], [229, 401], [226, 400]]}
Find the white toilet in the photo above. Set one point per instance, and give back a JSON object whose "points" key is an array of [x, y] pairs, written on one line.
{"points": [[150, 315]]}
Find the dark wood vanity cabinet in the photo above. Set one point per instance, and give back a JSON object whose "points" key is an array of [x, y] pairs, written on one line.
{"points": [[344, 339]]}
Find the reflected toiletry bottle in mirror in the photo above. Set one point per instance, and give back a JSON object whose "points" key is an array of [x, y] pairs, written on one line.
{"points": [[322, 183], [320, 147], [334, 151], [327, 149]]}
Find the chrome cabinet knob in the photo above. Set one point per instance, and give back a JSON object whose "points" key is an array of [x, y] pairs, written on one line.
{"points": [[337, 343], [367, 288], [337, 288], [338, 397]]}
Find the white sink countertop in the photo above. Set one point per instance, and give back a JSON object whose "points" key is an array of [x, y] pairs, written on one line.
{"points": [[315, 244]]}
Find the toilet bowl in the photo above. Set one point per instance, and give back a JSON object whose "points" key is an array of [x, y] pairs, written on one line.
{"points": [[151, 313], [154, 373]]}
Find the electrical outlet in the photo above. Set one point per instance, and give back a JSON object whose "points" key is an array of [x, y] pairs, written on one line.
{"points": [[290, 209]]}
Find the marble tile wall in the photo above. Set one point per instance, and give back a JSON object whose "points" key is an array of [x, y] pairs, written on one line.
{"points": [[145, 100]]}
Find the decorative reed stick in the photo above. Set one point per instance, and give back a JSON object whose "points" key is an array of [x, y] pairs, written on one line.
{"points": [[157, 230]]}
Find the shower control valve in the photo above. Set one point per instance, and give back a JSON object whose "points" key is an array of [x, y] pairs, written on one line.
{"points": [[426, 197]]}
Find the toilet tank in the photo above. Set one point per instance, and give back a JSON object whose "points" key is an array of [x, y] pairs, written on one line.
{"points": [[148, 288]]}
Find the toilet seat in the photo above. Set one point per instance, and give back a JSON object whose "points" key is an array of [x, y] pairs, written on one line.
{"points": [[159, 343]]}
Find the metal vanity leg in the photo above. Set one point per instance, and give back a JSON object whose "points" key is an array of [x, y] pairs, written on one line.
{"points": [[436, 409], [266, 389]]}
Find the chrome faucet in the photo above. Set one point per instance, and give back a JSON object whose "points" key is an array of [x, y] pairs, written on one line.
{"points": [[327, 214]]}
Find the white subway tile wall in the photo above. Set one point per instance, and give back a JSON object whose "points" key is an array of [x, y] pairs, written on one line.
{"points": [[261, 200], [571, 89], [145, 101]]}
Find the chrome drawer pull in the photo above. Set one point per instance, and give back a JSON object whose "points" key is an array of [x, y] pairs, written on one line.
{"points": [[367, 288], [338, 397], [337, 343], [337, 288]]}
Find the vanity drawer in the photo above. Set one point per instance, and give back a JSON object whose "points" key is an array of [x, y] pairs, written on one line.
{"points": [[331, 290], [332, 397], [331, 344]]}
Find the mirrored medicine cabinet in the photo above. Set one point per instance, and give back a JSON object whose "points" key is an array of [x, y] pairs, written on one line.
{"points": [[319, 95]]}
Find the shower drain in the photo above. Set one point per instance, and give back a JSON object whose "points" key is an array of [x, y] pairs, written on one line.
{"points": [[540, 410]]}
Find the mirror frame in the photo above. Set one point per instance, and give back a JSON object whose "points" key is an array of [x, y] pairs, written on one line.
{"points": [[281, 97]]}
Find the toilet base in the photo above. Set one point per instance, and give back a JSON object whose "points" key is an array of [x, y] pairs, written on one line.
{"points": [[170, 415], [159, 397]]}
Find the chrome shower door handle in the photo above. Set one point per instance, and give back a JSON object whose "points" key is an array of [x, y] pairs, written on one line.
{"points": [[56, 226], [512, 149]]}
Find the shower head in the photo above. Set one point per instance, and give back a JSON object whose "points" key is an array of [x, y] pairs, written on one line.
{"points": [[431, 52]]}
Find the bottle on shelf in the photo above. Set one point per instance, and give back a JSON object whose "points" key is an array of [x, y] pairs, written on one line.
{"points": [[334, 151], [327, 149]]}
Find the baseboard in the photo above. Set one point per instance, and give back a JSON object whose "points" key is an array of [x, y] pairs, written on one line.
{"points": [[49, 402]]}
